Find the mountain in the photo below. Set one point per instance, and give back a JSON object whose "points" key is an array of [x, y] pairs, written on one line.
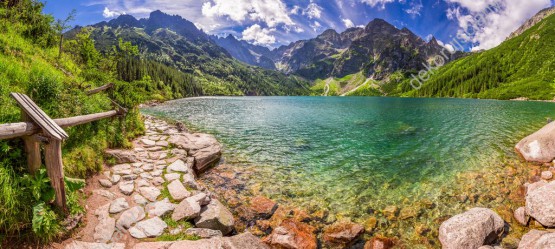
{"points": [[177, 43], [378, 50], [523, 66], [533, 21], [246, 52]]}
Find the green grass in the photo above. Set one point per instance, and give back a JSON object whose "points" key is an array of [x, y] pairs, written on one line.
{"points": [[184, 225]]}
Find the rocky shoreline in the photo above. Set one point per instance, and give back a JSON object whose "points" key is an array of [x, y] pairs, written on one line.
{"points": [[166, 188]]}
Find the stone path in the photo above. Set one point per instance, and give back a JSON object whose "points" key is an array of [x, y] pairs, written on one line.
{"points": [[154, 183]]}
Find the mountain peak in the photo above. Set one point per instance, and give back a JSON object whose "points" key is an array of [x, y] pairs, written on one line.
{"points": [[124, 21], [533, 21], [379, 24]]}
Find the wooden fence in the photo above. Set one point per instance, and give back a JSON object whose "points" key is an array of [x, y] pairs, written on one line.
{"points": [[37, 128]]}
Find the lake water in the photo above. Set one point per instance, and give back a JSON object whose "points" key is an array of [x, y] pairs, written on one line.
{"points": [[356, 156]]}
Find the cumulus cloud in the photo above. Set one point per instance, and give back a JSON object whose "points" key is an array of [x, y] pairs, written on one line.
{"points": [[488, 23], [380, 3], [348, 23], [447, 46], [271, 12], [316, 26], [313, 10], [415, 9], [258, 35], [107, 13]]}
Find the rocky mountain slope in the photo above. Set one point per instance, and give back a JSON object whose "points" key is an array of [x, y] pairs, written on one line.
{"points": [[246, 52], [532, 21], [177, 43]]}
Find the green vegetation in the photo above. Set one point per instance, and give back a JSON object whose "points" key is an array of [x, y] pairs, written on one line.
{"points": [[350, 85], [31, 63], [520, 67], [182, 224]]}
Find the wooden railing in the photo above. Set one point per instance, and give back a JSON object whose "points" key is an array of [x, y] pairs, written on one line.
{"points": [[37, 128]]}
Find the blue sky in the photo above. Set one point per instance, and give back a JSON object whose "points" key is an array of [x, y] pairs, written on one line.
{"points": [[276, 22]]}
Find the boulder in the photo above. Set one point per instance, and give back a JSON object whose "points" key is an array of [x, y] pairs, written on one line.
{"points": [[88, 245], [148, 228], [206, 150], [187, 209], [536, 239], [533, 186], [178, 191], [122, 156], [118, 205], [244, 241], [130, 217], [160, 208], [539, 146], [472, 229], [263, 206], [540, 204], [203, 233], [342, 233], [150, 193], [292, 234], [215, 216]]}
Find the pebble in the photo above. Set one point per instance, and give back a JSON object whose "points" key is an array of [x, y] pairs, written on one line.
{"points": [[547, 175]]}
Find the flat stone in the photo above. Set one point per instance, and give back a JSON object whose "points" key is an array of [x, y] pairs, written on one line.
{"points": [[172, 176], [148, 142], [139, 199], [155, 149], [153, 245], [203, 233], [150, 193], [162, 143], [244, 241], [103, 211], [122, 156], [472, 229], [150, 228], [105, 183], [148, 167], [178, 191], [178, 166], [118, 205], [131, 216], [130, 177], [186, 210], [104, 230], [105, 193], [215, 216], [540, 204], [126, 187], [160, 208], [157, 181], [162, 155], [213, 243], [142, 183], [189, 181], [156, 173], [115, 179], [88, 245], [146, 175], [136, 165]]}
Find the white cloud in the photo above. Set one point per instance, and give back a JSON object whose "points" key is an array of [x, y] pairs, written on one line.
{"points": [[348, 23], [259, 35], [374, 3], [447, 46], [316, 26], [313, 10], [414, 9], [107, 13], [295, 10], [487, 23], [271, 12]]}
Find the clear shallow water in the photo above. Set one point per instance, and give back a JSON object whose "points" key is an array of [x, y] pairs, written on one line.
{"points": [[352, 155]]}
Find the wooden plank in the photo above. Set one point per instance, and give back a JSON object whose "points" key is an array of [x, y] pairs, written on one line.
{"points": [[13, 130], [48, 126], [32, 149], [100, 89], [54, 168]]}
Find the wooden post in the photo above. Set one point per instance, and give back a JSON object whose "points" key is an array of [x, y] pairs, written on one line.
{"points": [[32, 149], [55, 170]]}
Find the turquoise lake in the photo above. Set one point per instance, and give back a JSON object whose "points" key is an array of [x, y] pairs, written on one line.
{"points": [[353, 155]]}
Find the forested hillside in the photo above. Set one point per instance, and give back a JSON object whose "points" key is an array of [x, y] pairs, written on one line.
{"points": [[523, 66]]}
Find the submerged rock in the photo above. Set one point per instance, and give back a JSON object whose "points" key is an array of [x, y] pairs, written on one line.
{"points": [[342, 234], [472, 229], [293, 234], [521, 216], [379, 243], [539, 147], [263, 206], [540, 204]]}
